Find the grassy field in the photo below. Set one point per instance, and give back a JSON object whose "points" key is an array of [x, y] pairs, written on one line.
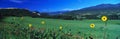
{"points": [[111, 31]]}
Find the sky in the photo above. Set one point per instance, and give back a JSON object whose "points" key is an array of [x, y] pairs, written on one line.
{"points": [[53, 5]]}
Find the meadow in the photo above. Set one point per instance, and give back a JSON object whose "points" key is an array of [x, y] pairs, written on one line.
{"points": [[71, 29]]}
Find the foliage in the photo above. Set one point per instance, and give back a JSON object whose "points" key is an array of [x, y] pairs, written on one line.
{"points": [[71, 29]]}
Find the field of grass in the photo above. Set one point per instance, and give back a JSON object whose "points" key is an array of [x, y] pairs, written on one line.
{"points": [[80, 28]]}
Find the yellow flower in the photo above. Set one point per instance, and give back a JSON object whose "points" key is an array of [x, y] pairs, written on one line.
{"points": [[104, 18], [92, 25], [42, 22], [60, 27], [30, 25]]}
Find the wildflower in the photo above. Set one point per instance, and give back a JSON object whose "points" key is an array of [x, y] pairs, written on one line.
{"points": [[92, 25], [60, 27], [30, 25], [104, 18], [42, 22]]}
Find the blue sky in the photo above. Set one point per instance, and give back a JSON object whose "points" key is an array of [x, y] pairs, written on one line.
{"points": [[53, 5]]}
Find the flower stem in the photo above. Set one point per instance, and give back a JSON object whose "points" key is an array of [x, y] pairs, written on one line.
{"points": [[105, 31]]}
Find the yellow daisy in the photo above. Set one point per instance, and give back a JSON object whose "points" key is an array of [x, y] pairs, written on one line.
{"points": [[92, 25], [42, 22], [104, 18], [60, 27], [30, 25]]}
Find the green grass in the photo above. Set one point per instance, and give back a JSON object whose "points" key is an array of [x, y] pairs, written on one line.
{"points": [[112, 28]]}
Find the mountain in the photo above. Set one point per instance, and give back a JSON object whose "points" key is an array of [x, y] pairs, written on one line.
{"points": [[98, 9], [112, 11], [57, 12]]}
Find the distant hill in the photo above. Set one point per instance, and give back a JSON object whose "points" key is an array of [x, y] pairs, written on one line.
{"points": [[14, 12], [5, 12], [57, 12], [98, 9], [95, 12]]}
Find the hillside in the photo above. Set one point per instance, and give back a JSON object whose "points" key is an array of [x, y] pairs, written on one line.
{"points": [[14, 12], [94, 12], [99, 9]]}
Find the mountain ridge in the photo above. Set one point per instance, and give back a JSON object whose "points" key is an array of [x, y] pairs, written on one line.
{"points": [[98, 9]]}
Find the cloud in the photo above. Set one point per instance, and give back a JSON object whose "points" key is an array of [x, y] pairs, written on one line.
{"points": [[17, 1]]}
